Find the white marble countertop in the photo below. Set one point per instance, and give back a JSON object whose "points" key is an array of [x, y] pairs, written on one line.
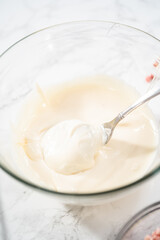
{"points": [[26, 214]]}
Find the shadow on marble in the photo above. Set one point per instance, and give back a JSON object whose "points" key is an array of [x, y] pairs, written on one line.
{"points": [[101, 219]]}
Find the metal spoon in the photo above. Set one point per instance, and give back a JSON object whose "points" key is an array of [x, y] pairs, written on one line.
{"points": [[110, 126]]}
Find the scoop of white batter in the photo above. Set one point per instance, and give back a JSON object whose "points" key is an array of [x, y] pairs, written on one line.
{"points": [[70, 146]]}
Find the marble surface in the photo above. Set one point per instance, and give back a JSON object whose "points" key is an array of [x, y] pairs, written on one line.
{"points": [[30, 215]]}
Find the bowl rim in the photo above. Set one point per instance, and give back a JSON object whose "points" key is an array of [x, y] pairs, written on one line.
{"points": [[114, 190], [138, 216]]}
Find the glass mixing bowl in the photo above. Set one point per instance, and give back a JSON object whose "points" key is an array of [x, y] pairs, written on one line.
{"points": [[142, 224], [65, 52]]}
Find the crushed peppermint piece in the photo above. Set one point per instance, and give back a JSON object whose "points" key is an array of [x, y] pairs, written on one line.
{"points": [[155, 64], [149, 78], [155, 235]]}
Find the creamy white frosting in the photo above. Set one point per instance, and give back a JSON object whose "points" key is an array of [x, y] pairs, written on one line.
{"points": [[70, 146], [57, 151]]}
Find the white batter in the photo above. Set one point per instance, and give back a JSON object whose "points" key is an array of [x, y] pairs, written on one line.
{"points": [[60, 143], [70, 146]]}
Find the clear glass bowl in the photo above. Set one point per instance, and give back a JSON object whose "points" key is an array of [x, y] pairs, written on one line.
{"points": [[143, 223], [65, 52]]}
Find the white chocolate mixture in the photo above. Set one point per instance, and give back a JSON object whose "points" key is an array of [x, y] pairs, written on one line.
{"points": [[71, 146], [69, 156]]}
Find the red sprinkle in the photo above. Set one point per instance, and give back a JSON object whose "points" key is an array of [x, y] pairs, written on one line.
{"points": [[149, 78], [155, 64]]}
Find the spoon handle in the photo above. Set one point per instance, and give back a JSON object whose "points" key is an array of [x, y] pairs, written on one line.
{"points": [[145, 98], [151, 93]]}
